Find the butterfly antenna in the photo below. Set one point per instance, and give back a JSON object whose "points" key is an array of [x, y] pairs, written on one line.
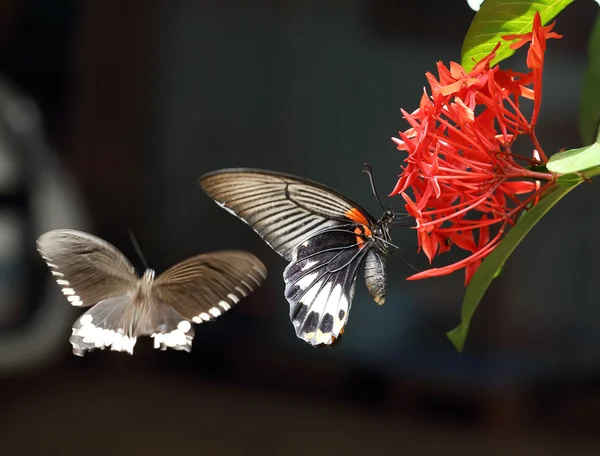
{"points": [[370, 173], [406, 262], [136, 246]]}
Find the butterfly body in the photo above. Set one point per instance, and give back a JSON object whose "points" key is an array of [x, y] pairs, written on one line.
{"points": [[325, 236], [92, 272]]}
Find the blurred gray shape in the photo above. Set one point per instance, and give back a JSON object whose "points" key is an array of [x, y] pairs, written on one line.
{"points": [[54, 202]]}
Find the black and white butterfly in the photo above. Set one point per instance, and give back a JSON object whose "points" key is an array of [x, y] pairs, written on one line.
{"points": [[92, 272], [325, 236]]}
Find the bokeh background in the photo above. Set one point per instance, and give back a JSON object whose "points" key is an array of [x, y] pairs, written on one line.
{"points": [[109, 113]]}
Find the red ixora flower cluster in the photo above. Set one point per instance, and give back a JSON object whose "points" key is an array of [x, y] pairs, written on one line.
{"points": [[467, 185]]}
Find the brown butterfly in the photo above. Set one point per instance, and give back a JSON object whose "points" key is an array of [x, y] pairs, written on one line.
{"points": [[92, 272]]}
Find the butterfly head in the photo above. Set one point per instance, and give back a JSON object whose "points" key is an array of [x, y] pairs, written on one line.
{"points": [[388, 216], [382, 230]]}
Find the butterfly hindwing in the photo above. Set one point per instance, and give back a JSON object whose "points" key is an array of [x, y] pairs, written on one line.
{"points": [[86, 268], [283, 209], [320, 282], [118, 322], [205, 286]]}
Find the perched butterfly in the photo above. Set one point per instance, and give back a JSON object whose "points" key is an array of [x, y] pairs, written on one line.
{"points": [[325, 236], [92, 272]]}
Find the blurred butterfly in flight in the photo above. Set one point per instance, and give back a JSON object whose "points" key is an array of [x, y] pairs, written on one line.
{"points": [[92, 272], [325, 236]]}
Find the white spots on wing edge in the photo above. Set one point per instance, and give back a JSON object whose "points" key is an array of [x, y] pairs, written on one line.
{"points": [[260, 271], [202, 317], [241, 291], [89, 336], [257, 282], [184, 326], [319, 337], [215, 312], [68, 291], [75, 300], [62, 282], [178, 338]]}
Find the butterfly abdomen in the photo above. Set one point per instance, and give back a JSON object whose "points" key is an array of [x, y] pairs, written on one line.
{"points": [[375, 276]]}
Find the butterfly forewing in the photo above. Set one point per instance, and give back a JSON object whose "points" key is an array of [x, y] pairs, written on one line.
{"points": [[86, 268], [283, 209], [205, 286]]}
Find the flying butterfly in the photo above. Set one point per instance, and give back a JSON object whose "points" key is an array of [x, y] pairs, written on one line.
{"points": [[92, 272], [325, 236]]}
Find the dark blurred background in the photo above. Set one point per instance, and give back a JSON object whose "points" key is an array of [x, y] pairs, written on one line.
{"points": [[109, 113]]}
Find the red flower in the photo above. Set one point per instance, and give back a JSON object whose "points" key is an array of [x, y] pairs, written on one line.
{"points": [[467, 185]]}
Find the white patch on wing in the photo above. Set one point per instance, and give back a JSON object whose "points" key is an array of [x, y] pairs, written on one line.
{"points": [[184, 326], [93, 336], [214, 311], [178, 338], [201, 318], [309, 264], [233, 297], [68, 291], [75, 300], [316, 298], [323, 338], [339, 323], [255, 280], [242, 291], [57, 274], [62, 282], [323, 301], [304, 283]]}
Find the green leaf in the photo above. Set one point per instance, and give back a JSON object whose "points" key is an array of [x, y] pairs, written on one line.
{"points": [[494, 262], [492, 266], [503, 17], [589, 105], [575, 160], [569, 180]]}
